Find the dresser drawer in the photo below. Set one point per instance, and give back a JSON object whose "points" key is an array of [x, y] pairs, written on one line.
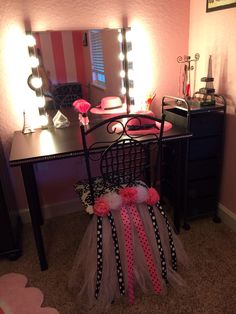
{"points": [[202, 188], [209, 147], [199, 169], [200, 207], [207, 124]]}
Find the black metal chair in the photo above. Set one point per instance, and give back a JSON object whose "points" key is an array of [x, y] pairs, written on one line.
{"points": [[127, 149], [128, 244]]}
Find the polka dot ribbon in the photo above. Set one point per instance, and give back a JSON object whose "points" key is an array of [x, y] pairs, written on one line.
{"points": [[171, 242], [146, 248], [159, 244], [100, 255], [119, 271], [129, 252]]}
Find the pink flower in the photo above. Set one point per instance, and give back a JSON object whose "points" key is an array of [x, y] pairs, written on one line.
{"points": [[101, 207], [129, 195], [81, 105], [153, 196]]}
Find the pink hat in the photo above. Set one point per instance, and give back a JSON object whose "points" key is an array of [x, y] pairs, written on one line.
{"points": [[110, 105], [142, 126]]}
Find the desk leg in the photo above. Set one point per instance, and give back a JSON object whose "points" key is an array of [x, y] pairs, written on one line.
{"points": [[35, 210], [186, 225], [180, 206]]}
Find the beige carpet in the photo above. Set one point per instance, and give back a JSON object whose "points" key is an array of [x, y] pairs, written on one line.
{"points": [[211, 276]]}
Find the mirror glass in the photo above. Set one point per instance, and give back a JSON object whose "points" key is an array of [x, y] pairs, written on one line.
{"points": [[67, 70]]}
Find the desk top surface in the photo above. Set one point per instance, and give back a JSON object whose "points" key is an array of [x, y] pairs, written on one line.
{"points": [[52, 143]]}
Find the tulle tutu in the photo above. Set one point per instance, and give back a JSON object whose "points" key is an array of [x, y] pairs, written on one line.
{"points": [[106, 268]]}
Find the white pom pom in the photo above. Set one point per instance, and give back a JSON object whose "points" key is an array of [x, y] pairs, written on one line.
{"points": [[89, 209], [114, 200], [141, 194]]}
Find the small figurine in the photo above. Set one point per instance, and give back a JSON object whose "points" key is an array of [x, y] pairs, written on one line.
{"points": [[27, 128], [207, 93]]}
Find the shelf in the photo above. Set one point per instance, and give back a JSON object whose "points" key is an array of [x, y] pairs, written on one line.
{"points": [[192, 106]]}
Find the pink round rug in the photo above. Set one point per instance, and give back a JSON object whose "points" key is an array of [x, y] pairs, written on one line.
{"points": [[16, 298]]}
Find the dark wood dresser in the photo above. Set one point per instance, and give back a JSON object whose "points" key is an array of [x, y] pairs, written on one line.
{"points": [[204, 155]]}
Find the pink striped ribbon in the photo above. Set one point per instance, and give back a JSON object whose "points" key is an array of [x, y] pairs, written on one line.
{"points": [[146, 248], [129, 252]]}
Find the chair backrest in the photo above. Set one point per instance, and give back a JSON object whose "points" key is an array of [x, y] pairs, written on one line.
{"points": [[126, 149]]}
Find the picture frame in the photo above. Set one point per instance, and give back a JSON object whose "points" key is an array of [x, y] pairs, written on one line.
{"points": [[215, 5]]}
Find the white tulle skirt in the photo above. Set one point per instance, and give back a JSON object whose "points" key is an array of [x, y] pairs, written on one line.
{"points": [[107, 268]]}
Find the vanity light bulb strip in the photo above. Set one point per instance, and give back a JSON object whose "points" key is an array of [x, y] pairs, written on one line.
{"points": [[35, 81], [122, 36]]}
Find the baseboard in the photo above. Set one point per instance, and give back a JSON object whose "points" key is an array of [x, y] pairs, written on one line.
{"points": [[227, 216], [54, 210]]}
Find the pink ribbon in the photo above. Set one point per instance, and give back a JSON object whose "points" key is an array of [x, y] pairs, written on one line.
{"points": [[129, 252], [146, 249]]}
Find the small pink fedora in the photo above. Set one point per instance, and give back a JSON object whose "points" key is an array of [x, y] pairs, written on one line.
{"points": [[110, 105]]}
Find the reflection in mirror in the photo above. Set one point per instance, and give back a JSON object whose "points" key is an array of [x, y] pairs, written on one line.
{"points": [[71, 69]]}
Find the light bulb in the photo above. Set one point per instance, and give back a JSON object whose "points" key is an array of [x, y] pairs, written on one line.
{"points": [[36, 82], [122, 73], [120, 38], [34, 62], [121, 56], [131, 92], [40, 101], [128, 36], [31, 42], [43, 120], [123, 90]]}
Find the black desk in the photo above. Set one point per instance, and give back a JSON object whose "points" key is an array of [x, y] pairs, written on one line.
{"points": [[53, 144]]}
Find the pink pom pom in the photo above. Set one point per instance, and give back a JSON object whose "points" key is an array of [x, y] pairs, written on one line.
{"points": [[113, 200], [128, 194], [101, 208], [153, 196], [81, 105]]}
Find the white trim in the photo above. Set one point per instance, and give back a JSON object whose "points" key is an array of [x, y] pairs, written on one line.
{"points": [[227, 216], [54, 210]]}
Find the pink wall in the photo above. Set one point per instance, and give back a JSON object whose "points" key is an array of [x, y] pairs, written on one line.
{"points": [[215, 34], [161, 29], [62, 55]]}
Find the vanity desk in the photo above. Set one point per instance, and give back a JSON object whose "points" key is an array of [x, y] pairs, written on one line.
{"points": [[204, 154], [29, 149]]}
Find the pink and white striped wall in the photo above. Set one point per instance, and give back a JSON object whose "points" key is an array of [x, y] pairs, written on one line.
{"points": [[62, 55]]}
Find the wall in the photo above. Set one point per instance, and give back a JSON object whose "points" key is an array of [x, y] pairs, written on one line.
{"points": [[58, 50], [161, 34], [214, 34]]}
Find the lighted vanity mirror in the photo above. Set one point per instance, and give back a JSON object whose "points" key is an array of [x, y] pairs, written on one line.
{"points": [[66, 65]]}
